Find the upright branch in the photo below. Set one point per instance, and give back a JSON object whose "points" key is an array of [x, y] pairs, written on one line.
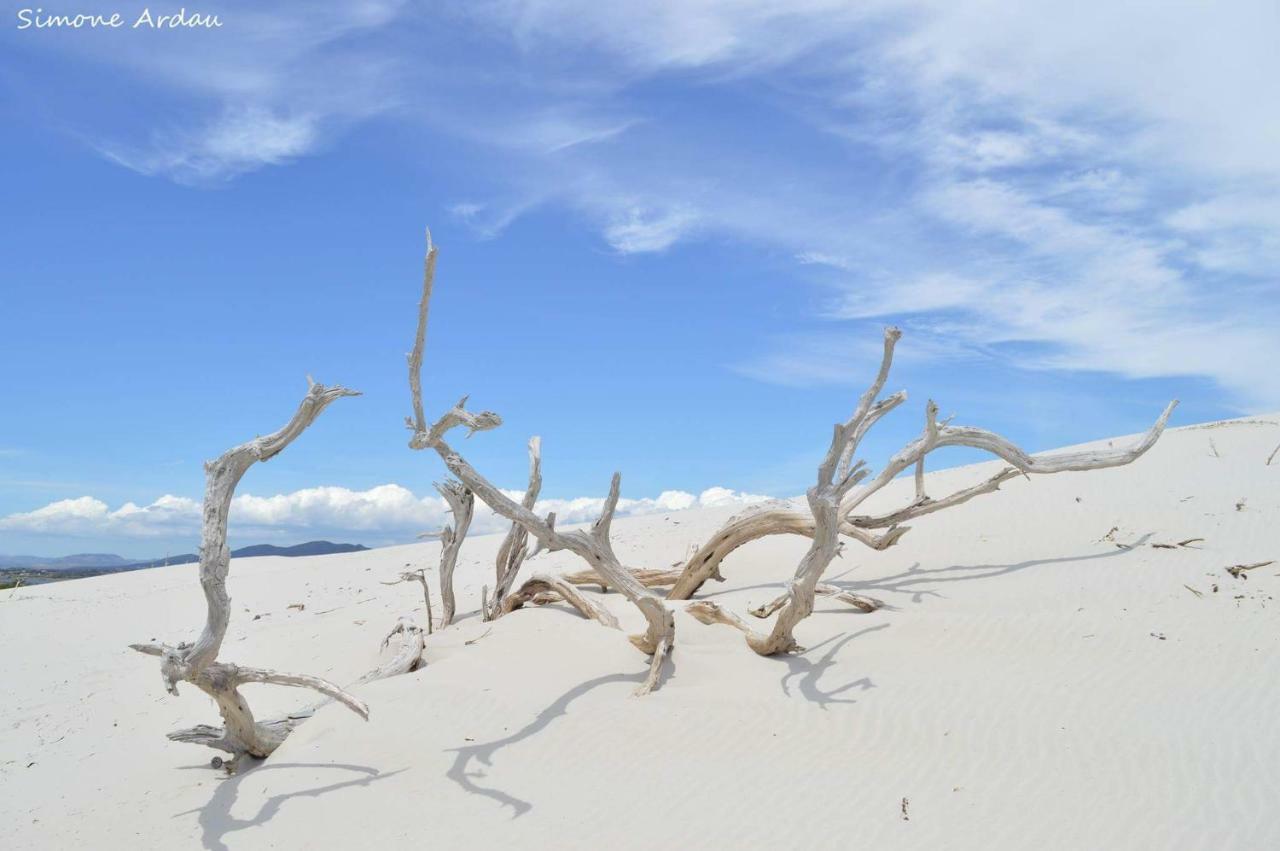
{"points": [[197, 663], [515, 547], [462, 503], [593, 545], [834, 500]]}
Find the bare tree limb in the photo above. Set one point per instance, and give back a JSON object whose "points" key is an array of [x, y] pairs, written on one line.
{"points": [[592, 546], [539, 587]]}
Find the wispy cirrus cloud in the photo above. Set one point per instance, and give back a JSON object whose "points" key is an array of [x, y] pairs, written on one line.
{"points": [[1092, 184]]}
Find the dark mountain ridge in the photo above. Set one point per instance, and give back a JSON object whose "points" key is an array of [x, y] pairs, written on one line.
{"points": [[34, 570]]}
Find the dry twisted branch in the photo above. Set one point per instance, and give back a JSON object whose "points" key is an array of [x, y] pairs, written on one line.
{"points": [[833, 501], [593, 545], [197, 663]]}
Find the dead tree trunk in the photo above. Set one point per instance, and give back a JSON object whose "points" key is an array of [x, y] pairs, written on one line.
{"points": [[592, 546], [197, 663]]}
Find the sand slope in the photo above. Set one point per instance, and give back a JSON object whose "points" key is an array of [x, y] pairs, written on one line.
{"points": [[1031, 685]]}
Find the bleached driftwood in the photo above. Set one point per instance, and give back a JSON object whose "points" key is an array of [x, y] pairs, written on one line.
{"points": [[515, 547], [408, 656], [743, 529], [462, 504], [862, 604], [649, 578], [197, 663], [593, 545], [833, 500], [542, 588]]}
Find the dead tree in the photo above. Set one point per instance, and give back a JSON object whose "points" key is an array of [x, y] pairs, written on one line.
{"points": [[515, 547], [592, 545], [462, 505], [833, 500], [198, 663]]}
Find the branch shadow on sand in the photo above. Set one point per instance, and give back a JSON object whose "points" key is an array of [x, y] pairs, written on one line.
{"points": [[215, 817], [464, 774], [910, 580], [807, 671]]}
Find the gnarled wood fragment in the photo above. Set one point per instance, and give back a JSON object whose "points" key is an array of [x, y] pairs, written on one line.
{"points": [[543, 588], [410, 642], [197, 663]]}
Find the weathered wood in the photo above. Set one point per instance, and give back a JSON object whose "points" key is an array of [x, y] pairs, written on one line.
{"points": [[197, 663], [515, 547], [646, 577], [833, 501], [462, 503], [410, 642], [862, 604], [543, 588], [593, 545]]}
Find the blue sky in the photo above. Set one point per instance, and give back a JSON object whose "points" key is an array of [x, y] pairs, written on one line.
{"points": [[670, 233]]}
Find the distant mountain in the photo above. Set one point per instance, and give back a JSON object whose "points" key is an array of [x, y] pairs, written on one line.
{"points": [[32, 570], [55, 562], [310, 548]]}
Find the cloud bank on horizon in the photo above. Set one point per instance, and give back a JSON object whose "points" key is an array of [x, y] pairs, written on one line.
{"points": [[384, 514]]}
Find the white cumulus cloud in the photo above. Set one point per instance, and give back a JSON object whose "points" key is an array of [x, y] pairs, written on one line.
{"points": [[383, 513]]}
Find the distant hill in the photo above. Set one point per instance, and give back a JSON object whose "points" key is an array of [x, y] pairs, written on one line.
{"points": [[33, 570], [310, 548]]}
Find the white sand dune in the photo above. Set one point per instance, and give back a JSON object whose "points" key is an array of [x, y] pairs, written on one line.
{"points": [[1032, 685]]}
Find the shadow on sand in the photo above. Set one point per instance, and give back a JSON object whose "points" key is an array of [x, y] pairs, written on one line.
{"points": [[468, 759], [215, 817]]}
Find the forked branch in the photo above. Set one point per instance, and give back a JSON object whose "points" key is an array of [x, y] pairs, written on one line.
{"points": [[833, 501], [593, 545]]}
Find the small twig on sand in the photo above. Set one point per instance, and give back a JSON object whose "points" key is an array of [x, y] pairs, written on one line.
{"points": [[1239, 571], [471, 641], [1192, 590], [1272, 456], [1187, 543]]}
